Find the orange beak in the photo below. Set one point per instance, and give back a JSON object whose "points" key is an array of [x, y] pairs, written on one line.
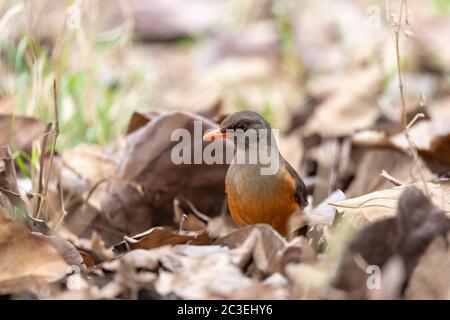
{"points": [[215, 134]]}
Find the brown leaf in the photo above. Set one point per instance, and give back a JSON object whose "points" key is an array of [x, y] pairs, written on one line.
{"points": [[259, 242], [430, 137], [92, 164], [28, 261], [19, 131], [139, 119], [8, 177], [373, 245], [10, 197], [419, 221], [350, 108], [210, 274], [99, 247], [187, 216], [298, 250], [87, 259], [147, 181], [406, 235], [373, 161], [382, 204], [431, 278], [65, 249], [160, 236], [85, 171], [220, 226]]}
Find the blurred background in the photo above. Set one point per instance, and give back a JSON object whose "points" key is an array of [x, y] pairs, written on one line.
{"points": [[324, 72], [282, 58]]}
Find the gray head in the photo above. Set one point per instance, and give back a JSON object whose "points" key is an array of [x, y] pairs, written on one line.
{"points": [[252, 134], [248, 127], [244, 120]]}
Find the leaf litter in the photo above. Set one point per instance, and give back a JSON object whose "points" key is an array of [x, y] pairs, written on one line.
{"points": [[122, 221]]}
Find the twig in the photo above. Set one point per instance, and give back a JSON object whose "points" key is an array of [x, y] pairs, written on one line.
{"points": [[184, 217], [415, 153], [406, 126], [393, 180], [398, 28], [52, 151], [63, 210], [414, 120], [56, 133], [201, 216], [41, 168]]}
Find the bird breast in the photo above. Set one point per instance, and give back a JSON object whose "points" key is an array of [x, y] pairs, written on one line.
{"points": [[255, 198]]}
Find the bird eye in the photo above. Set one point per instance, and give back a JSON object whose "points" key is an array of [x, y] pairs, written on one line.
{"points": [[241, 126]]}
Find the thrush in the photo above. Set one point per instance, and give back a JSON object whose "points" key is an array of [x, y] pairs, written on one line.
{"points": [[255, 196]]}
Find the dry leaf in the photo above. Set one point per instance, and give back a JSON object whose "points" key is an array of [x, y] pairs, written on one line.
{"points": [[259, 242], [65, 249], [431, 278], [8, 177], [350, 108], [19, 131], [431, 138], [212, 276], [406, 235], [27, 262], [99, 247], [383, 204], [160, 236], [373, 161], [147, 181]]}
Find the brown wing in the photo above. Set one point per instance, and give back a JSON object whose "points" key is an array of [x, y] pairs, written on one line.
{"points": [[300, 195]]}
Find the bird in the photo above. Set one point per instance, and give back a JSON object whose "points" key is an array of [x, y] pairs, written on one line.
{"points": [[254, 197]]}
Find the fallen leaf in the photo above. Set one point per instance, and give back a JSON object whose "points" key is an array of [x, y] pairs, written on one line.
{"points": [[8, 177], [259, 242], [187, 216], [407, 235], [65, 249], [220, 226], [213, 276], [160, 236], [431, 138], [10, 196], [298, 250], [99, 247], [139, 119], [350, 108], [19, 132], [87, 259], [147, 181], [373, 245], [90, 162], [28, 262], [382, 204], [431, 278], [419, 221], [373, 161]]}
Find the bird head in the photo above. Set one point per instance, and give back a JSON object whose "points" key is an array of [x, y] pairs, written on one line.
{"points": [[238, 124]]}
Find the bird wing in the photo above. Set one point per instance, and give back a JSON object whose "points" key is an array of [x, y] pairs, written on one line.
{"points": [[300, 195]]}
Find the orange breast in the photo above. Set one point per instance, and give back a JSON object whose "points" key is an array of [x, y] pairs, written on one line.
{"points": [[262, 201]]}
